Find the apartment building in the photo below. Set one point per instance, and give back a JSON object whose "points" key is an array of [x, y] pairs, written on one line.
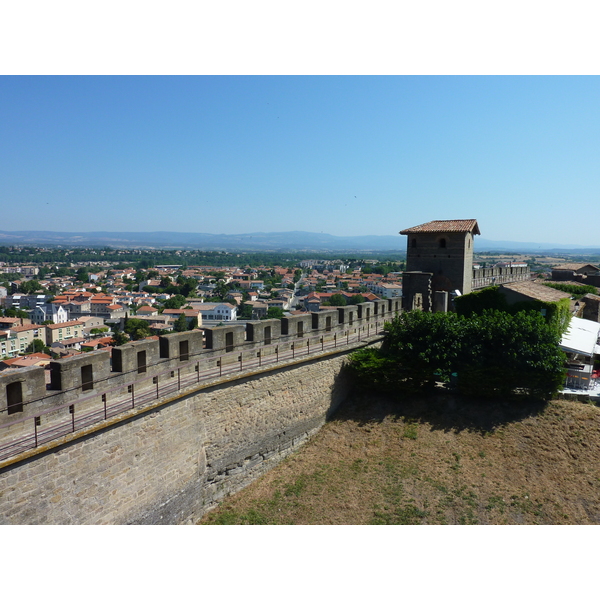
{"points": [[63, 331]]}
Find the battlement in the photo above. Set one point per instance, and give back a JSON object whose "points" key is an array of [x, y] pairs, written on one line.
{"points": [[487, 276], [92, 387]]}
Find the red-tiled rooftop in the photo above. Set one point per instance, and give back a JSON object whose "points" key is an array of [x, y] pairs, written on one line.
{"points": [[454, 226]]}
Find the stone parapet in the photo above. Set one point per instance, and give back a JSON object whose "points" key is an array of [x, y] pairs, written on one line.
{"points": [[90, 384]]}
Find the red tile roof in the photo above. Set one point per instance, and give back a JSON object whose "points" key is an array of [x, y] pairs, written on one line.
{"points": [[19, 328], [66, 324], [455, 226]]}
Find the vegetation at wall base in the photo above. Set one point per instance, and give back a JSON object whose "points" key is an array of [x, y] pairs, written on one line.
{"points": [[494, 354]]}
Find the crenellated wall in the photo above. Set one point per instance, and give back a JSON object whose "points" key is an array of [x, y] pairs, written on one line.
{"points": [[487, 276], [172, 425]]}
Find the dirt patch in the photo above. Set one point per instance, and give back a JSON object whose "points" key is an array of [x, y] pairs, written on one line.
{"points": [[438, 460]]}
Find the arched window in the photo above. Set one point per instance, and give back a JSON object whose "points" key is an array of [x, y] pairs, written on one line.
{"points": [[442, 242], [414, 243]]}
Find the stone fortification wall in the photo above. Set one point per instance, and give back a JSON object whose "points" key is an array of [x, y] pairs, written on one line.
{"points": [[171, 463], [171, 425], [487, 276]]}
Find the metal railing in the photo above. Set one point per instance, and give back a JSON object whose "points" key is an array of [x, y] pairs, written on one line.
{"points": [[126, 396]]}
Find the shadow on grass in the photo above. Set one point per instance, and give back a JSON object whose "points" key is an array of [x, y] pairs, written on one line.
{"points": [[441, 410]]}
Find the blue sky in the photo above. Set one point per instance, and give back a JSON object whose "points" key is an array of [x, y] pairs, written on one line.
{"points": [[346, 155]]}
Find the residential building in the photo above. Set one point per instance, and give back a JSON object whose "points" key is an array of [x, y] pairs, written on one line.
{"points": [[8, 343], [217, 311], [49, 312], [25, 301], [60, 332], [190, 314], [387, 290], [26, 334]]}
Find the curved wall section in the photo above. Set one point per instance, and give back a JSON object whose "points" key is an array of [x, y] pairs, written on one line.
{"points": [[169, 464]]}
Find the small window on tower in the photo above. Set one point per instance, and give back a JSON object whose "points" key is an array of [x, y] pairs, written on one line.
{"points": [[414, 243], [443, 243]]}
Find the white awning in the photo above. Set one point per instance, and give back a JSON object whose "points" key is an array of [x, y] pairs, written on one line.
{"points": [[581, 337]]}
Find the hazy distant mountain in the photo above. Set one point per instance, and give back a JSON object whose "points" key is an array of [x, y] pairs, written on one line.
{"points": [[494, 246], [283, 241]]}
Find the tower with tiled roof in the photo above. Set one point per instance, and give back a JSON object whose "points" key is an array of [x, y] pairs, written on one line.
{"points": [[443, 249]]}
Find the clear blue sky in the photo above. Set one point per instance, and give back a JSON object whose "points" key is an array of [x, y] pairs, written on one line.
{"points": [[346, 155]]}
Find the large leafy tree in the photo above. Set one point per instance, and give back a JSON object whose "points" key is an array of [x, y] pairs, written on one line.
{"points": [[274, 312], [493, 354], [137, 329], [176, 301], [180, 324], [337, 300], [37, 345], [30, 287], [501, 353], [356, 299]]}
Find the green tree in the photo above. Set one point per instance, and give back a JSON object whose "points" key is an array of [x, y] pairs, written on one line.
{"points": [[245, 311], [337, 300], [180, 324], [82, 275], [495, 354], [137, 329], [119, 338], [502, 353], [30, 287], [36, 346], [98, 330], [176, 301], [274, 312], [16, 313], [221, 290], [357, 299]]}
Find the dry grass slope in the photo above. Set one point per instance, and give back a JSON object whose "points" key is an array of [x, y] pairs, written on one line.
{"points": [[434, 461]]}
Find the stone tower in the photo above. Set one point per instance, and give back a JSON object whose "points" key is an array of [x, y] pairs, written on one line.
{"points": [[444, 251]]}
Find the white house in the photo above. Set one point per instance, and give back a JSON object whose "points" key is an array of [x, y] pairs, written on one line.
{"points": [[217, 311], [387, 290], [49, 312]]}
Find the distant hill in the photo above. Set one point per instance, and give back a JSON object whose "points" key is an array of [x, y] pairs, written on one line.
{"points": [[277, 241]]}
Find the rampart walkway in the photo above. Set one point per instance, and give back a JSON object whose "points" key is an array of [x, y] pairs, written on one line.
{"points": [[57, 414]]}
